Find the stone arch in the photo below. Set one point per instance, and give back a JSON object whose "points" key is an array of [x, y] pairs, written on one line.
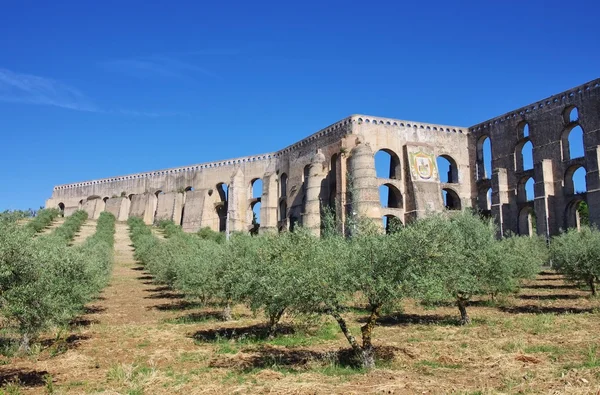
{"points": [[391, 222], [523, 129], [387, 164], [256, 188], [524, 155], [61, 207], [572, 142], [80, 205], [570, 114], [576, 214], [484, 157], [526, 224], [575, 180], [447, 168], [390, 196], [525, 189], [283, 180], [451, 199], [104, 199]]}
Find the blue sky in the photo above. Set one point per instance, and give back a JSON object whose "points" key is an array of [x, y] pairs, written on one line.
{"points": [[95, 90]]}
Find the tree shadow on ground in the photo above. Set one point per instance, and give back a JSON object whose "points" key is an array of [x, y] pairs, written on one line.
{"points": [[138, 268], [400, 319], [93, 309], [268, 356], [61, 345], [546, 273], [549, 286], [165, 295], [22, 377], [177, 306], [551, 297], [252, 332], [82, 322], [145, 278], [534, 309], [197, 317]]}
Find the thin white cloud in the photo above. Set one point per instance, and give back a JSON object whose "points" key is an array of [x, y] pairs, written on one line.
{"points": [[31, 89], [157, 66]]}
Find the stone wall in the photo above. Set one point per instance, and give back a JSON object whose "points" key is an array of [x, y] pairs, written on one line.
{"points": [[335, 168]]}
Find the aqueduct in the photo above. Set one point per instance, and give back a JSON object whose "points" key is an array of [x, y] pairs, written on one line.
{"points": [[535, 156]]}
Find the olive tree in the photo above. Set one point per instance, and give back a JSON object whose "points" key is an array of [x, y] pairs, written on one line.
{"points": [[576, 254]]}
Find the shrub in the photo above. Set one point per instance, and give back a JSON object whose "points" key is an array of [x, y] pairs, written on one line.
{"points": [[576, 254]]}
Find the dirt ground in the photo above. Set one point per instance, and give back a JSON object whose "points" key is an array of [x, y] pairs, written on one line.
{"points": [[142, 338]]}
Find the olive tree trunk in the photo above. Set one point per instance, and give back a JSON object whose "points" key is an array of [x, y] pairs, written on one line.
{"points": [[227, 312], [273, 321], [462, 307], [592, 285]]}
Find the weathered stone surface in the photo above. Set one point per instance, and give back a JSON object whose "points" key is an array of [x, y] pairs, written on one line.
{"points": [[302, 179]]}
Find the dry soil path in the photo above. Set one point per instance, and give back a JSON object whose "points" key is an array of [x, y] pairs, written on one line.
{"points": [[87, 229], [55, 224], [126, 329]]}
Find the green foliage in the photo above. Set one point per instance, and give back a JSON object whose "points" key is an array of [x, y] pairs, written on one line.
{"points": [[209, 234], [15, 215], [43, 282], [576, 254], [43, 218], [169, 228], [439, 258]]}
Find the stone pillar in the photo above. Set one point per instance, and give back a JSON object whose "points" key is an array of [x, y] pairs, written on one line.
{"points": [[236, 202], [363, 193], [194, 210], [500, 199], [311, 218], [544, 199], [268, 203], [593, 184]]}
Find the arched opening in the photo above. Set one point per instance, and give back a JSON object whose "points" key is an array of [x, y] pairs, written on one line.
{"points": [[222, 205], [526, 225], [484, 201], [447, 169], [80, 205], [106, 198], [185, 191], [282, 210], [571, 114], [525, 190], [387, 164], [390, 196], [574, 147], [450, 199], [61, 207], [575, 180], [391, 223], [130, 197], [577, 214], [255, 207], [524, 155], [484, 158], [256, 186], [332, 177], [283, 185], [157, 194], [524, 130]]}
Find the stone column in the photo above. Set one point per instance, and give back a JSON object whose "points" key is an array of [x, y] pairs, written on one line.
{"points": [[363, 193], [236, 202], [311, 218], [593, 184], [544, 199], [500, 199], [268, 203]]}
